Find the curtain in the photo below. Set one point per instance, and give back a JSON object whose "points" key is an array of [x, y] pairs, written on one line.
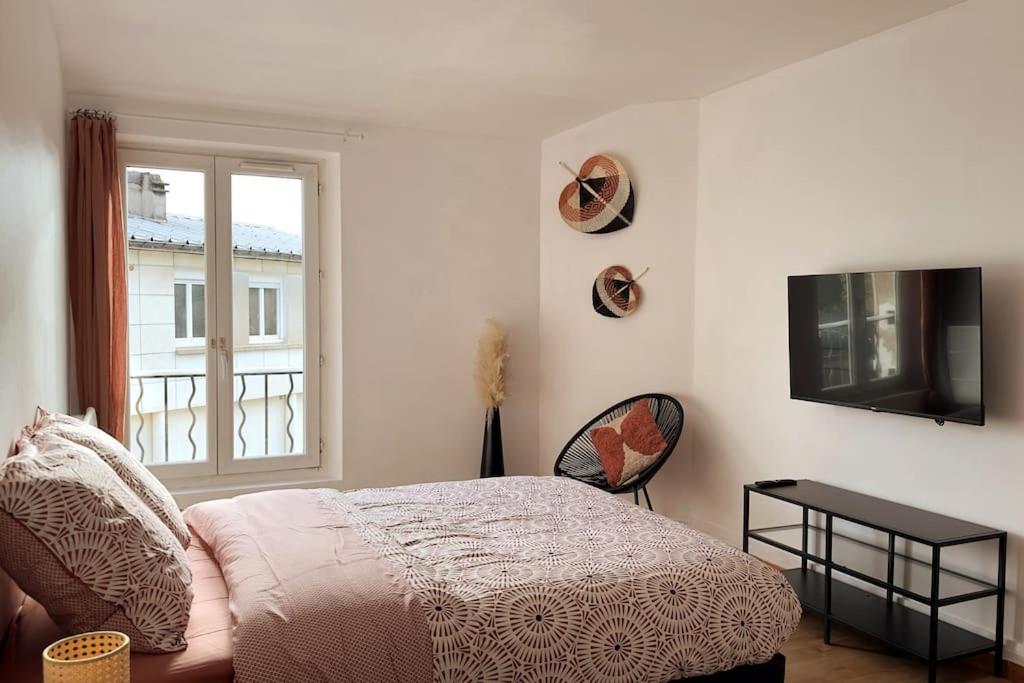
{"points": [[96, 269]]}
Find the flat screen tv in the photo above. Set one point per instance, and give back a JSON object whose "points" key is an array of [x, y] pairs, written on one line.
{"points": [[903, 341]]}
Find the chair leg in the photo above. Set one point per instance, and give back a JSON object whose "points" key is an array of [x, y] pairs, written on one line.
{"points": [[636, 497], [648, 497]]}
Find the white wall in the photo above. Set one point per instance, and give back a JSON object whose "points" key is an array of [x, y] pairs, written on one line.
{"points": [[904, 150], [34, 304], [589, 362], [423, 236], [439, 233]]}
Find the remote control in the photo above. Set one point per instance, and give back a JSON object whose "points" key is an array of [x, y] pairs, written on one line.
{"points": [[774, 483]]}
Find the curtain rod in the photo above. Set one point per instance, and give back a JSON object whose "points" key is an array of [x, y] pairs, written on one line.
{"points": [[345, 134], [91, 113]]}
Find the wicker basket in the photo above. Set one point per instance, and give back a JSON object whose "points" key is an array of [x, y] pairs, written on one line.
{"points": [[98, 657]]}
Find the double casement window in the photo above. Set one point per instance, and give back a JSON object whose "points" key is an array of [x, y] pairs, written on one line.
{"points": [[223, 293]]}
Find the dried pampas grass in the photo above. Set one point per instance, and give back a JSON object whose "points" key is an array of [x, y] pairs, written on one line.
{"points": [[491, 354]]}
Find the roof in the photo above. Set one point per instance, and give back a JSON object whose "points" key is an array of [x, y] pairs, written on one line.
{"points": [[184, 232]]}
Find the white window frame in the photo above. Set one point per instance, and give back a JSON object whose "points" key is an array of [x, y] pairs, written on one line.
{"points": [[220, 460], [226, 167], [190, 281], [205, 165], [263, 284]]}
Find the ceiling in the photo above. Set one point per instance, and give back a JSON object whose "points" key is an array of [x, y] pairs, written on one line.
{"points": [[512, 68]]}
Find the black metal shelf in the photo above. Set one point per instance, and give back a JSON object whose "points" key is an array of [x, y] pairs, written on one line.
{"points": [[982, 589], [919, 633], [898, 626], [921, 526]]}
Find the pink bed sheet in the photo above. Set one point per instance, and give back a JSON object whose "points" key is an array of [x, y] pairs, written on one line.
{"points": [[310, 599], [206, 660]]}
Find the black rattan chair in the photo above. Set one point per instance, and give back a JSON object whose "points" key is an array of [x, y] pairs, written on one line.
{"points": [[579, 459]]}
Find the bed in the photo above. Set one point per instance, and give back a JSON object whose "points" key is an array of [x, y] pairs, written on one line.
{"points": [[507, 579]]}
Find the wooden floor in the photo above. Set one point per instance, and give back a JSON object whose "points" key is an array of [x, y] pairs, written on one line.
{"points": [[853, 658]]}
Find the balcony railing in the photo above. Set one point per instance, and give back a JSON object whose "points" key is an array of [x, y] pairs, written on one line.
{"points": [[164, 378]]}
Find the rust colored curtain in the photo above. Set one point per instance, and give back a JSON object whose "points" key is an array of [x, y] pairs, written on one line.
{"points": [[96, 269]]}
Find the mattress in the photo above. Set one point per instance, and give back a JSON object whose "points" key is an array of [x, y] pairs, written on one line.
{"points": [[206, 660]]}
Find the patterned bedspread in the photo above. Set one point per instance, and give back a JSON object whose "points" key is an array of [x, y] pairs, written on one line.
{"points": [[547, 579]]}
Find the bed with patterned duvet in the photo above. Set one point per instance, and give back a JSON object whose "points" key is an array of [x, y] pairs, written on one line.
{"points": [[505, 579]]}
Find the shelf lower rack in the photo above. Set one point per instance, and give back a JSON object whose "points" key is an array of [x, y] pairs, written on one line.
{"points": [[900, 627]]}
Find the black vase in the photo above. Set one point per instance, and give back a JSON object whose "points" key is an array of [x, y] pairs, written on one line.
{"points": [[492, 457]]}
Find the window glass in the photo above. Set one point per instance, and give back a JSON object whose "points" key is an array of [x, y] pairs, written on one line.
{"points": [[198, 311], [180, 311], [270, 312], [834, 330], [167, 238], [254, 312], [269, 399], [881, 330]]}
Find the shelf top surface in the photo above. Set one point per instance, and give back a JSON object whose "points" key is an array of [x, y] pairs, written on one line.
{"points": [[904, 520]]}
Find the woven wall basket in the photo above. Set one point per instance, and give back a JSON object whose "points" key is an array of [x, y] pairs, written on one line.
{"points": [[601, 199], [615, 293], [98, 657]]}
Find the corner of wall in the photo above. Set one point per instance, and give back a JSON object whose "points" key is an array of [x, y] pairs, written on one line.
{"points": [[33, 274], [588, 362]]}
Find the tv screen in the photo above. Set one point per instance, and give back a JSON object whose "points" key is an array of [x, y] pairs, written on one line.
{"points": [[904, 341]]}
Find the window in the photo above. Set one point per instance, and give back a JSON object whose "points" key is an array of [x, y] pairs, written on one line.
{"points": [[190, 312], [264, 313], [881, 325], [223, 314], [837, 357], [858, 328]]}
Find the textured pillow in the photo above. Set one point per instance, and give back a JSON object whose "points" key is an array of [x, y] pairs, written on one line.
{"points": [[134, 474], [78, 541], [627, 445]]}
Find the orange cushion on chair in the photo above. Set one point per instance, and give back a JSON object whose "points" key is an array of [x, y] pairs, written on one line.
{"points": [[629, 444]]}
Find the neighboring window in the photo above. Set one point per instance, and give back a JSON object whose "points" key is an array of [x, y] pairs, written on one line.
{"points": [[189, 312], [264, 313]]}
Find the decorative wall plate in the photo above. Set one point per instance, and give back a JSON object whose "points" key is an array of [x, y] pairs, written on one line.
{"points": [[616, 293], [600, 199]]}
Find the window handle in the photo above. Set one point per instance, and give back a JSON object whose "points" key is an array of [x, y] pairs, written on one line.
{"points": [[222, 346]]}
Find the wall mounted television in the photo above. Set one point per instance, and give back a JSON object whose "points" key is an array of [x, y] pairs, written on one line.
{"points": [[894, 341]]}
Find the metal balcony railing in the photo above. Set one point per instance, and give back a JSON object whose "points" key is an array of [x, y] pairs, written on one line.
{"points": [[246, 376]]}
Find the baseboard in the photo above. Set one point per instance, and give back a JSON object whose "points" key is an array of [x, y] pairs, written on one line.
{"points": [[1012, 671]]}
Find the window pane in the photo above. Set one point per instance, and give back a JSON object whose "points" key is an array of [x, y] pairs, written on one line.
{"points": [[180, 312], [834, 330], [166, 240], [254, 312], [881, 330], [267, 252], [199, 311], [270, 312]]}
